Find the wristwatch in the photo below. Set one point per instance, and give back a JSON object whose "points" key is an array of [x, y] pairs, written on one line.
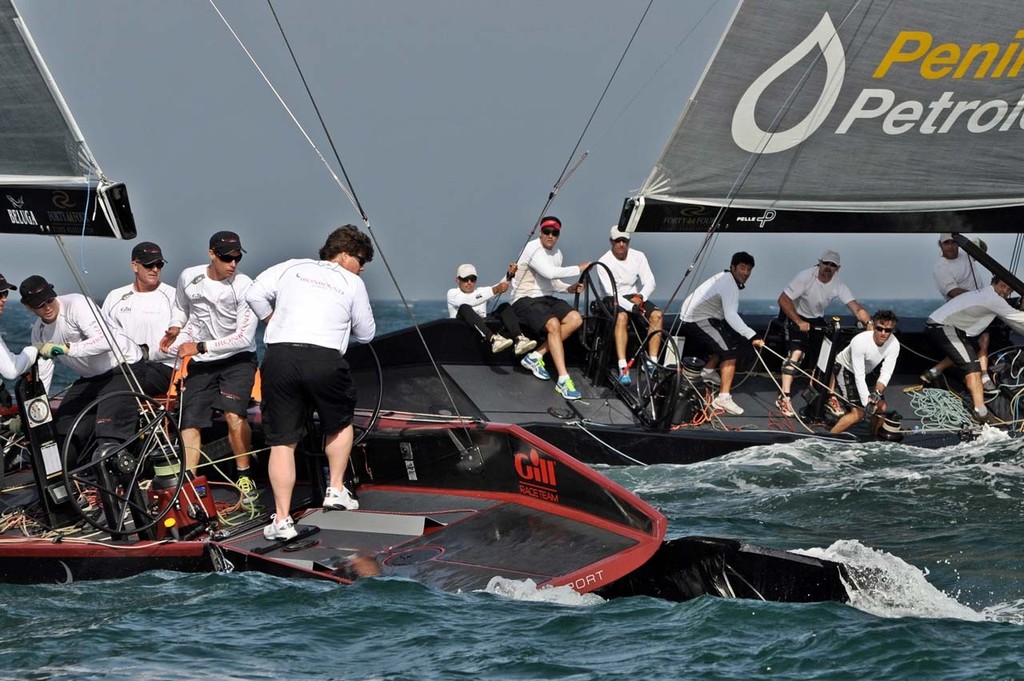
{"points": [[201, 347]]}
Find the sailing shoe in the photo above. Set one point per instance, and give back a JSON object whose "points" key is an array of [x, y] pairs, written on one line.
{"points": [[249, 495], [499, 343], [567, 389], [624, 378], [280, 531], [784, 405], [650, 366], [340, 499], [834, 407], [536, 366], [726, 403], [984, 417], [524, 345], [931, 376], [987, 385], [710, 376]]}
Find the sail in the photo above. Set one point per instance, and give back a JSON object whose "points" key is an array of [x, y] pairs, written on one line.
{"points": [[49, 181], [850, 115]]}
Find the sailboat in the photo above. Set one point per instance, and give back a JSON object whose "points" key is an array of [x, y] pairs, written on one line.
{"points": [[451, 502], [855, 117]]}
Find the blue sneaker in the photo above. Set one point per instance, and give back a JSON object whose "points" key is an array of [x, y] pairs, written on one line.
{"points": [[536, 366], [624, 378], [567, 389]]}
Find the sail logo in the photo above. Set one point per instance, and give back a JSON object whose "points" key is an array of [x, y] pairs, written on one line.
{"points": [[61, 199], [761, 219], [750, 136], [18, 215], [536, 476], [16, 203]]}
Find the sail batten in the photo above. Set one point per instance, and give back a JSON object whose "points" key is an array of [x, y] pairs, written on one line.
{"points": [[861, 107]]}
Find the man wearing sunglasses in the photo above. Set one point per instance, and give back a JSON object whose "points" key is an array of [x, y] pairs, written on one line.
{"points": [[11, 365], [214, 325], [634, 284], [469, 303], [538, 279], [70, 328], [802, 307], [143, 311], [868, 351]]}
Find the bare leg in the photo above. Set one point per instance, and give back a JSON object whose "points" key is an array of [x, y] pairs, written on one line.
{"points": [[240, 438], [621, 336], [558, 332], [849, 419], [193, 442], [973, 381], [281, 469], [656, 322], [983, 352], [338, 449], [728, 371], [787, 379]]}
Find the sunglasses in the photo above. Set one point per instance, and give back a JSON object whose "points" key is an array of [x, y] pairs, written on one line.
{"points": [[884, 329], [550, 231], [229, 258], [471, 278], [948, 241], [620, 240], [360, 258], [159, 264], [44, 303], [829, 263]]}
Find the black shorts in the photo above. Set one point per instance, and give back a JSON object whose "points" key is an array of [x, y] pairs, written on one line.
{"points": [[846, 384], [641, 316], [298, 379], [955, 344], [535, 312], [797, 339], [224, 384], [715, 336]]}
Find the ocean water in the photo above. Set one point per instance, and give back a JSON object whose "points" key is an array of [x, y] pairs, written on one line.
{"points": [[944, 528]]}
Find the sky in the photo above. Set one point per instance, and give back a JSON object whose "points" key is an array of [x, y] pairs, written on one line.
{"points": [[454, 118]]}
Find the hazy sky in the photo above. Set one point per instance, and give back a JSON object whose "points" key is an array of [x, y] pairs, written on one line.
{"points": [[453, 118]]}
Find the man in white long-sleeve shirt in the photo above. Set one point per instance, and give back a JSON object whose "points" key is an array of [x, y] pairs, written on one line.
{"points": [[538, 279], [312, 309], [710, 317], [11, 365], [469, 303], [214, 325], [143, 310], [866, 352], [955, 327], [634, 285], [72, 328]]}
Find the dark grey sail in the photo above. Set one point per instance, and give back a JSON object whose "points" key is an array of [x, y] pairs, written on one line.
{"points": [[850, 115], [49, 181]]}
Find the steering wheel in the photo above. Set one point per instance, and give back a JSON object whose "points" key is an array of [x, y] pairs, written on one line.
{"points": [[657, 382], [598, 308]]}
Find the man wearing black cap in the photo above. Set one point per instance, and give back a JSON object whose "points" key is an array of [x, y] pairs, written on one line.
{"points": [[143, 309], [71, 328], [11, 365], [218, 330]]}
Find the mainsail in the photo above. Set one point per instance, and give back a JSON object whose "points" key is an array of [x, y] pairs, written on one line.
{"points": [[49, 181], [850, 115]]}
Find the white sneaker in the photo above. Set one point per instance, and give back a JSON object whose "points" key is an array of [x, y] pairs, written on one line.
{"points": [[725, 402], [277, 531], [785, 405], [524, 345], [710, 376], [499, 343], [340, 499]]}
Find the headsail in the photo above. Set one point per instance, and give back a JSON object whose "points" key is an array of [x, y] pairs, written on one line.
{"points": [[850, 115], [49, 181]]}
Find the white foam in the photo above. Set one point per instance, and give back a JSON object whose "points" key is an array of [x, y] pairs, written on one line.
{"points": [[527, 590]]}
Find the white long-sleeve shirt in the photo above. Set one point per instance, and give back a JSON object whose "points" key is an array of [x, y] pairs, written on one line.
{"points": [[477, 299], [861, 357], [717, 298], [313, 301], [143, 316], [214, 312], [540, 272], [956, 273], [973, 311], [811, 296], [11, 365], [632, 275], [89, 347]]}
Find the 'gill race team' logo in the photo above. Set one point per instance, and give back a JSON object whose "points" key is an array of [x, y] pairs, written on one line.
{"points": [[536, 476]]}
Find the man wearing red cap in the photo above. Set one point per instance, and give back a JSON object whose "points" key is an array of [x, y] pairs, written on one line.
{"points": [[538, 279]]}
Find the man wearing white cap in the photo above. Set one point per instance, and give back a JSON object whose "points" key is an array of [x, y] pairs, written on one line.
{"points": [[634, 285], [469, 303], [803, 303]]}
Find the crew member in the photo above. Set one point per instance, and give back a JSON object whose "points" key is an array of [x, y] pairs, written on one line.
{"points": [[469, 303], [866, 352], [11, 365]]}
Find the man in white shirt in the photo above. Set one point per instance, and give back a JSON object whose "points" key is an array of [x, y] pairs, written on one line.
{"points": [[72, 329], [312, 309], [11, 365], [538, 279], [803, 303], [214, 325], [955, 327], [710, 318], [866, 352], [469, 303], [634, 285], [143, 310]]}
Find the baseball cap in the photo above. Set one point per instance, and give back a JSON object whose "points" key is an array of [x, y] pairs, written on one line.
{"points": [[945, 236], [464, 271], [226, 243], [147, 253], [36, 290], [830, 256], [616, 233], [6, 285]]}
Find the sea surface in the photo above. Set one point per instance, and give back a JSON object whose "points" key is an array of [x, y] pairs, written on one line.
{"points": [[945, 528]]}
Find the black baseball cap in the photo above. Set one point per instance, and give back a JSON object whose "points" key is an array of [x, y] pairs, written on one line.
{"points": [[35, 291], [6, 285], [226, 243], [147, 253]]}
